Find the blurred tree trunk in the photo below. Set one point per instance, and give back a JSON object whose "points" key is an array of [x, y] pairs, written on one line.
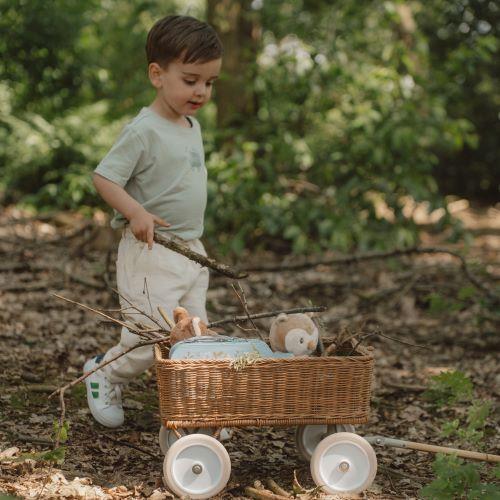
{"points": [[406, 29], [238, 27]]}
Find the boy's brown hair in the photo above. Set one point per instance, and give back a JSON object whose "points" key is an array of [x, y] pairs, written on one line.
{"points": [[174, 37]]}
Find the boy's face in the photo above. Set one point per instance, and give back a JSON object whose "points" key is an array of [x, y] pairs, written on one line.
{"points": [[184, 88]]}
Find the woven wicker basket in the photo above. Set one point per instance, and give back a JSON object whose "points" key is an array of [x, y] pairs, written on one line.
{"points": [[303, 390]]}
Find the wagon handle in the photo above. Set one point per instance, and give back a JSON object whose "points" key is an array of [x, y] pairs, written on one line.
{"points": [[412, 445]]}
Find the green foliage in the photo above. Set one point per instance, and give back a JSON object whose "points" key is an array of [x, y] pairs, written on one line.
{"points": [[60, 432], [439, 304], [352, 114], [495, 473], [344, 134], [469, 432], [48, 164], [456, 479], [56, 455], [42, 59], [466, 292], [448, 388]]}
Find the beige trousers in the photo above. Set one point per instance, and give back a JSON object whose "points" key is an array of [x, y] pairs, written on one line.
{"points": [[148, 279]]}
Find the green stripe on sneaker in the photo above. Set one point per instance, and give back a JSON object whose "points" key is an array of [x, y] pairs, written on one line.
{"points": [[94, 385], [95, 395]]}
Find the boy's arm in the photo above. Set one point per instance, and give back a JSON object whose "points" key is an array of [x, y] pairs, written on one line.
{"points": [[141, 221]]}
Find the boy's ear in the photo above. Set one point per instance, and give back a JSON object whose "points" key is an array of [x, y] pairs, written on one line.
{"points": [[154, 73]]}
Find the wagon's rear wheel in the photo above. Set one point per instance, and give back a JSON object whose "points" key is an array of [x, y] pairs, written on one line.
{"points": [[307, 437], [197, 466], [344, 463]]}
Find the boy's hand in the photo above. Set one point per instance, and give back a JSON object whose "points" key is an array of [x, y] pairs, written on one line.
{"points": [[142, 225]]}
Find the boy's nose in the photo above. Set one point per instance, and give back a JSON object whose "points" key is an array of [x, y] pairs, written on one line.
{"points": [[200, 90]]}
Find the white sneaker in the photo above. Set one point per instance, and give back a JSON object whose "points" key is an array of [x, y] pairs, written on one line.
{"points": [[103, 397]]}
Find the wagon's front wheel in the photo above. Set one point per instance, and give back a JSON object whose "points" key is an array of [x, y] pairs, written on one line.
{"points": [[344, 463], [197, 466], [307, 437]]}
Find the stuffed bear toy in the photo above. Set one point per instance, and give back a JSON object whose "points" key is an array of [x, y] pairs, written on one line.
{"points": [[187, 326], [295, 333]]}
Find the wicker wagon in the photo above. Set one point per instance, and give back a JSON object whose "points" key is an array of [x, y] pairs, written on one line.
{"points": [[320, 395]]}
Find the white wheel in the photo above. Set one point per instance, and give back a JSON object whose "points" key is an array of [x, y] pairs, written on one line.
{"points": [[307, 437], [197, 466], [167, 437], [344, 463]]}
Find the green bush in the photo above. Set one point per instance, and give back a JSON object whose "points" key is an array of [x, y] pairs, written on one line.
{"points": [[351, 116], [449, 388], [455, 478], [343, 136], [49, 164]]}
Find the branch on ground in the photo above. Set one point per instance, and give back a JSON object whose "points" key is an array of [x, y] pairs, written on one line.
{"points": [[356, 258]]}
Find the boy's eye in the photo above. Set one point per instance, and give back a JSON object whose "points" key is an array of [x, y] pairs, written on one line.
{"points": [[193, 82]]}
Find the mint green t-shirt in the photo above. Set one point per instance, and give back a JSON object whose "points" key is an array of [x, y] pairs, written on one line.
{"points": [[161, 165]]}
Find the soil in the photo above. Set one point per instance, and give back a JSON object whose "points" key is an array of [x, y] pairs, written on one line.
{"points": [[424, 300]]}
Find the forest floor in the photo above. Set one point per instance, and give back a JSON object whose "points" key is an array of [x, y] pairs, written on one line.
{"points": [[422, 299]]}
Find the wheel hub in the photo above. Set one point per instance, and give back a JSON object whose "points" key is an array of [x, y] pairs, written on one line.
{"points": [[197, 469], [344, 466]]}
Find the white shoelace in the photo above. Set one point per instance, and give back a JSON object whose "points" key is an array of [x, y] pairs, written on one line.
{"points": [[114, 395]]}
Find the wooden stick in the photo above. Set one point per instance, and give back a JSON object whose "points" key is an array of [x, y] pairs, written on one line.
{"points": [[140, 311], [130, 327], [102, 365], [371, 334], [263, 494], [276, 488], [238, 319], [165, 316], [49, 388], [130, 445], [431, 448], [474, 455], [244, 304], [198, 257]]}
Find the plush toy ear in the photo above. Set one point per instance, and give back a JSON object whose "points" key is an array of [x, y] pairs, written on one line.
{"points": [[282, 317], [179, 314], [196, 326]]}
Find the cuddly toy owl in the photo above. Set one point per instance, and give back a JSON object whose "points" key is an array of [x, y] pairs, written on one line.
{"points": [[295, 333], [187, 326]]}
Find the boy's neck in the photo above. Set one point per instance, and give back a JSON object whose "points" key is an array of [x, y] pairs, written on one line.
{"points": [[165, 111]]}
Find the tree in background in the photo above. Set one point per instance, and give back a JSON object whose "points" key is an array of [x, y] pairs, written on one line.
{"points": [[238, 27]]}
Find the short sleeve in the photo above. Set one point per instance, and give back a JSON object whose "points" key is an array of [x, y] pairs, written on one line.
{"points": [[123, 158]]}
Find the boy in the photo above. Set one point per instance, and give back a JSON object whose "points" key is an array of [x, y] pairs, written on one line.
{"points": [[155, 175]]}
